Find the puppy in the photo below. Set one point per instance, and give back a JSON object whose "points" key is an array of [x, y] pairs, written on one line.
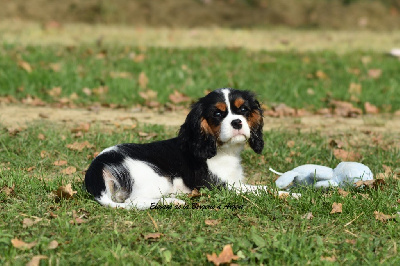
{"points": [[206, 153]]}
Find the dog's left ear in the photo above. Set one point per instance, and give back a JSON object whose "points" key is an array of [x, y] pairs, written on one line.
{"points": [[256, 124], [195, 135]]}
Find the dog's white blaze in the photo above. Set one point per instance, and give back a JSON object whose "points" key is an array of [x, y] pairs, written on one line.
{"points": [[227, 131]]}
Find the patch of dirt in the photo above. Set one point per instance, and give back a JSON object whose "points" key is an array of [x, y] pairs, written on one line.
{"points": [[22, 115]]}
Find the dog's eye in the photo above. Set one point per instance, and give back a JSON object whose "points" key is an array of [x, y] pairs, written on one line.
{"points": [[217, 114], [243, 109]]}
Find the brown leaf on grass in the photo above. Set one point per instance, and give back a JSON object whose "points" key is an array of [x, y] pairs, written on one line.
{"points": [[77, 220], [178, 97], [27, 222], [345, 109], [336, 208], [52, 245], [383, 217], [122, 75], [290, 144], [60, 163], [19, 244], [374, 73], [374, 183], [34, 101], [225, 257], [69, 170], [152, 236], [30, 169], [321, 74], [334, 143], [65, 192], [370, 108], [138, 58], [308, 216], [79, 146], [143, 80], [398, 201], [100, 90], [148, 94], [8, 190], [87, 91], [35, 261], [346, 155], [194, 194], [212, 222], [330, 259], [44, 154], [41, 136], [55, 92], [83, 127], [56, 67], [25, 66], [343, 192]]}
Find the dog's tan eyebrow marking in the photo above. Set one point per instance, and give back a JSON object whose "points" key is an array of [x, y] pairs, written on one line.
{"points": [[221, 106], [238, 102]]}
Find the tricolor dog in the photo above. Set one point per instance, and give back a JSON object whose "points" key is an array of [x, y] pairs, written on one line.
{"points": [[206, 153]]}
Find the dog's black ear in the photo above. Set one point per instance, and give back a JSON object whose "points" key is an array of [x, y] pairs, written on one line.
{"points": [[256, 124], [195, 135]]}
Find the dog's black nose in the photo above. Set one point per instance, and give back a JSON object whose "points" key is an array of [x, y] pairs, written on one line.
{"points": [[236, 124]]}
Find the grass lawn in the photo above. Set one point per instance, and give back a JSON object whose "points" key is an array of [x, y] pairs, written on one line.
{"points": [[37, 159], [262, 229]]}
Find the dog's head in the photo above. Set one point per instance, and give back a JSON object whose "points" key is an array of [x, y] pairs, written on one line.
{"points": [[223, 116]]}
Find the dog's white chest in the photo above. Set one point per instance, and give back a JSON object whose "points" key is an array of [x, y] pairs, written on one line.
{"points": [[226, 167]]}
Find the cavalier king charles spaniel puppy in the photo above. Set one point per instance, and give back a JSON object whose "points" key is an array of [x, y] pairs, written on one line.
{"points": [[206, 153]]}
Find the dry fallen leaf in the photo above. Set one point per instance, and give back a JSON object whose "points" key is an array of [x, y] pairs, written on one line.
{"points": [[79, 146], [383, 217], [69, 170], [152, 236], [27, 222], [52, 245], [375, 183], [8, 190], [226, 256], [343, 192], [65, 192], [178, 97], [44, 154], [30, 169], [308, 216], [41, 136], [17, 243], [55, 92], [143, 80], [374, 73], [35, 261], [212, 222], [370, 108], [194, 194], [84, 127], [321, 74], [336, 208], [60, 163], [76, 220], [346, 155], [330, 259], [345, 109], [290, 143], [25, 66]]}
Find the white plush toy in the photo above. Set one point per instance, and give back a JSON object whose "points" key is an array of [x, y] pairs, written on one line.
{"points": [[346, 173]]}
